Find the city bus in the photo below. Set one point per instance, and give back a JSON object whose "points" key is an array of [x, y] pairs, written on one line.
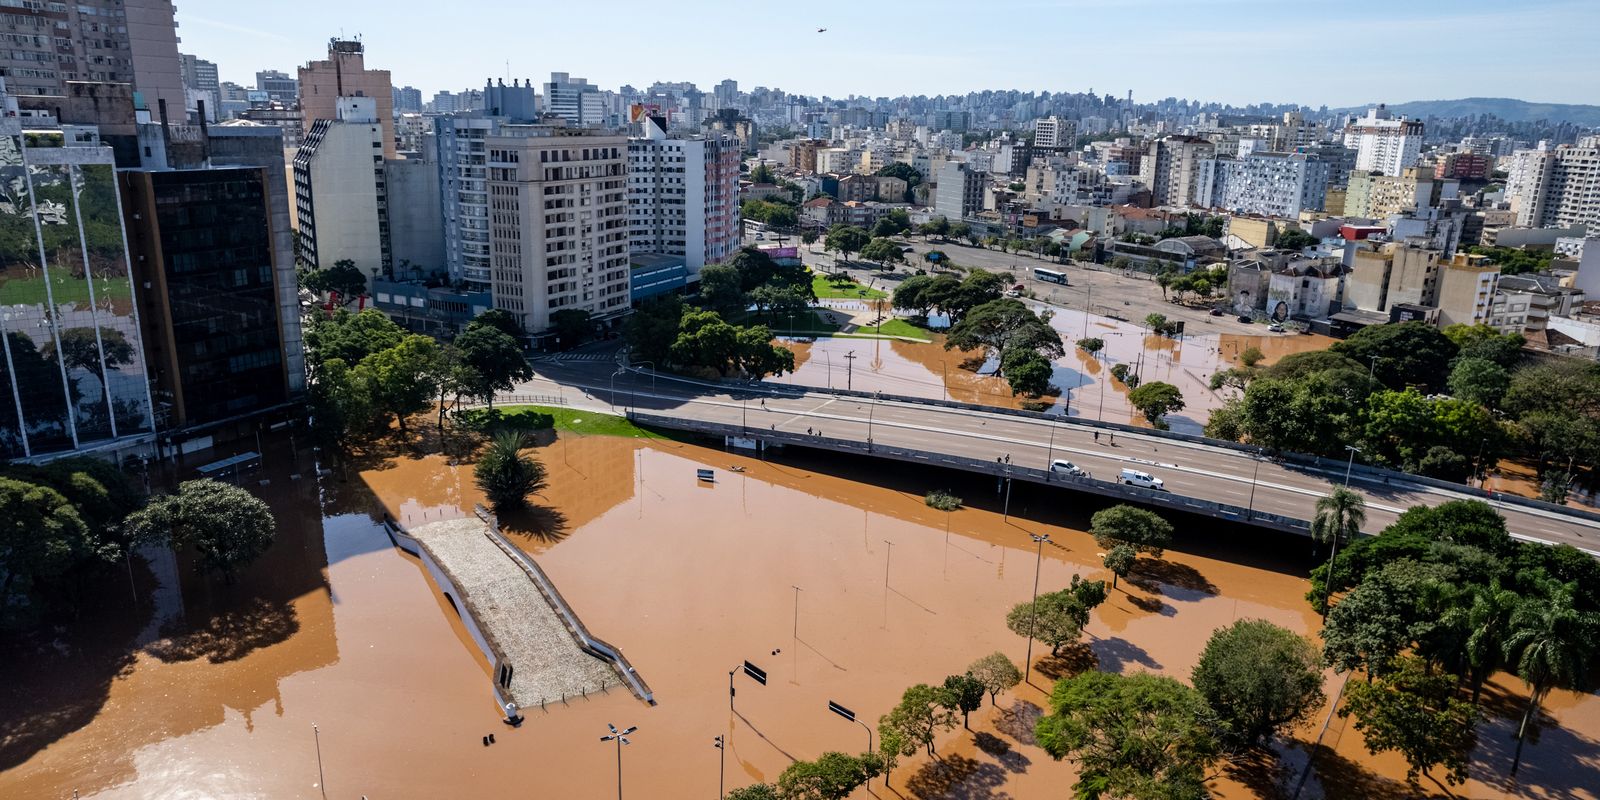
{"points": [[1050, 275]]}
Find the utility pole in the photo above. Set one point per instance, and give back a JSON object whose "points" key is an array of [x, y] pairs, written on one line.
{"points": [[849, 369]]}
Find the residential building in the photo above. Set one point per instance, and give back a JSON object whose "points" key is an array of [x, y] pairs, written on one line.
{"points": [[803, 156], [959, 193], [1384, 143], [74, 366], [48, 44], [1264, 183], [1527, 303], [558, 222], [407, 100], [575, 100], [1304, 288], [344, 73], [1467, 286], [1556, 188], [1373, 196], [341, 196], [1384, 274], [200, 85], [280, 87], [1053, 131], [286, 118], [857, 187], [1464, 166], [416, 219], [1171, 168], [683, 196]]}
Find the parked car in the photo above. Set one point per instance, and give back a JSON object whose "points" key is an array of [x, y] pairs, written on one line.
{"points": [[760, 237], [1013, 293], [1245, 318], [1275, 328], [1134, 477], [1063, 467], [1216, 312]]}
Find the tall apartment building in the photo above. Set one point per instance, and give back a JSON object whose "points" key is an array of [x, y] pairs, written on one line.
{"points": [[279, 86], [74, 365], [558, 222], [344, 74], [1556, 188], [407, 100], [1053, 132], [200, 84], [104, 41], [1384, 274], [803, 156], [1171, 168], [1374, 196], [341, 196], [1264, 183], [575, 100], [1384, 143], [1466, 166], [959, 193], [1467, 287], [683, 196], [463, 177]]}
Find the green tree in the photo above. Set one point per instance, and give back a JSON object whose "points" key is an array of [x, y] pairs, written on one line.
{"points": [[1482, 341], [1488, 625], [1552, 645], [1119, 560], [883, 251], [227, 526], [650, 330], [1416, 714], [720, 289], [998, 326], [1251, 356], [493, 362], [1122, 263], [1293, 239], [1156, 323], [1091, 345], [1338, 518], [961, 230], [1259, 679], [762, 174], [404, 379], [1402, 354], [1164, 279], [916, 720], [1141, 736], [1479, 380], [912, 295], [1377, 620], [42, 536], [1155, 400], [963, 693], [1144, 531], [833, 776], [996, 672], [755, 791], [808, 237], [846, 239], [349, 337], [1057, 618], [1026, 372], [571, 325], [505, 475], [342, 279], [501, 320]]}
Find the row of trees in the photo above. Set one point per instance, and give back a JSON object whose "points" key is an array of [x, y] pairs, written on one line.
{"points": [[948, 294], [673, 336], [1432, 607], [1380, 390], [366, 371], [1022, 341], [752, 280]]}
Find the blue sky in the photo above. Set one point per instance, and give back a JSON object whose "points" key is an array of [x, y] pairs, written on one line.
{"points": [[1236, 51]]}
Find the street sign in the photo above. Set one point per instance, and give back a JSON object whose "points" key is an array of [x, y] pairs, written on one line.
{"points": [[756, 672], [841, 711]]}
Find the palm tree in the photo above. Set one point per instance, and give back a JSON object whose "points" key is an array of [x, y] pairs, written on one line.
{"points": [[1552, 645], [1339, 517], [1488, 620]]}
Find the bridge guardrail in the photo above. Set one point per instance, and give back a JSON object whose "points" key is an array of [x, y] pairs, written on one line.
{"points": [[1165, 499]]}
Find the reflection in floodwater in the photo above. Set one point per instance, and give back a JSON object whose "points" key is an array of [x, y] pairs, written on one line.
{"points": [[337, 628]]}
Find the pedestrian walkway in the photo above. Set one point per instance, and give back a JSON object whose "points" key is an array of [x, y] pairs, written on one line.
{"points": [[562, 358]]}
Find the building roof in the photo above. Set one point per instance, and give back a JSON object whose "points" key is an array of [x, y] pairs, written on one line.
{"points": [[820, 202]]}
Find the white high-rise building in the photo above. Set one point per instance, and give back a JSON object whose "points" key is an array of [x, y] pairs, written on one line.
{"points": [[1054, 131], [574, 99], [683, 196], [1556, 188], [558, 222], [1265, 183], [1384, 143], [340, 192], [1171, 168]]}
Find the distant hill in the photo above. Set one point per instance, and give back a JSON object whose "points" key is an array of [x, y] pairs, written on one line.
{"points": [[1503, 107]]}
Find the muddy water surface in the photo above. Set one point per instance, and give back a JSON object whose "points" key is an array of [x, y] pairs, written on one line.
{"points": [[833, 576]]}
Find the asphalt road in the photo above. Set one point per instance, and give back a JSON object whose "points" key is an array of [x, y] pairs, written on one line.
{"points": [[1194, 470]]}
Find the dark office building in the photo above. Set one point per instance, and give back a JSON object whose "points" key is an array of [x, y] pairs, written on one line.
{"points": [[204, 256]]}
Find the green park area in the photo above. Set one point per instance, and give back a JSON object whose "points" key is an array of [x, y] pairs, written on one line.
{"points": [[831, 287], [571, 420]]}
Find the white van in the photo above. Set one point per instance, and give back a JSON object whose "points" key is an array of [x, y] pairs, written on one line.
{"points": [[1133, 477]]}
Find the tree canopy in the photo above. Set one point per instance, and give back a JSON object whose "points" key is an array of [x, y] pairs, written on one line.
{"points": [[1144, 531], [1402, 354], [1259, 679], [227, 526], [1155, 400]]}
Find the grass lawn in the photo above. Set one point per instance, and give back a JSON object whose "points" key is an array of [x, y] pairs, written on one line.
{"points": [[585, 422], [896, 327], [808, 324], [826, 290]]}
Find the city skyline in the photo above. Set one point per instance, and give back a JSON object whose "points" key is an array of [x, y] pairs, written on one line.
{"points": [[1528, 58]]}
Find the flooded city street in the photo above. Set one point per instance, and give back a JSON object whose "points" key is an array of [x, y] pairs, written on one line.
{"points": [[831, 574]]}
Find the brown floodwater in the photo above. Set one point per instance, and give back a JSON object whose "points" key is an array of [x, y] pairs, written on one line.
{"points": [[212, 691]]}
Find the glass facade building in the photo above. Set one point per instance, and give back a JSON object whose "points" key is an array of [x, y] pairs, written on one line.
{"points": [[72, 366], [211, 302]]}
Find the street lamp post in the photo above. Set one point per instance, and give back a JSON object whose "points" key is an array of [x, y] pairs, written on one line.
{"points": [[1250, 512], [1349, 465], [1050, 451], [722, 766], [620, 737], [871, 407], [1033, 616], [614, 388]]}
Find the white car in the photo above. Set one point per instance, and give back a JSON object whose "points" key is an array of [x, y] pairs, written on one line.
{"points": [[1062, 467], [1134, 477]]}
